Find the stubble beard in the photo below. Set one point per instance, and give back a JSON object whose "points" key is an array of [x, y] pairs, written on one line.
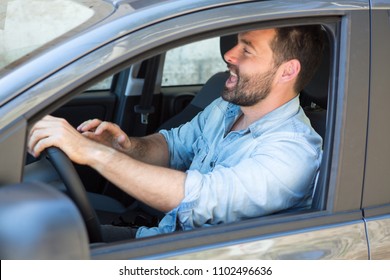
{"points": [[250, 89]]}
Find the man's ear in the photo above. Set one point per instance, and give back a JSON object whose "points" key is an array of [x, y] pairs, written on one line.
{"points": [[291, 70]]}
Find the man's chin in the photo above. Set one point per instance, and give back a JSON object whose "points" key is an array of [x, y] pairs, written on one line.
{"points": [[228, 94]]}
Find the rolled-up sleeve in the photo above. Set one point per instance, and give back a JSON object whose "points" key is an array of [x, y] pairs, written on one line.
{"points": [[181, 140]]}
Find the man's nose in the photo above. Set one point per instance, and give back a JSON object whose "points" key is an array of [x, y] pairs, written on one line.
{"points": [[231, 56]]}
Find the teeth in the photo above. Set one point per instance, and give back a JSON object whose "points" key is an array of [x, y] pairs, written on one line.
{"points": [[233, 74]]}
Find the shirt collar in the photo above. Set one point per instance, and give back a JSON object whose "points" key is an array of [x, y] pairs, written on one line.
{"points": [[279, 114]]}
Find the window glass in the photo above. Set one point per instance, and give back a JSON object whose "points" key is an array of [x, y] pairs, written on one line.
{"points": [[193, 64], [102, 85], [26, 25]]}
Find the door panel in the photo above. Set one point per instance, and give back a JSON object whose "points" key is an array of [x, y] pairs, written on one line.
{"points": [[378, 232], [88, 105], [329, 243], [376, 193], [376, 185]]}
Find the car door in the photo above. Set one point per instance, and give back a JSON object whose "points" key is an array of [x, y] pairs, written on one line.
{"points": [[334, 228], [376, 195]]}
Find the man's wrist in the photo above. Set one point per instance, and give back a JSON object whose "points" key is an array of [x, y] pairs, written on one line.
{"points": [[99, 156]]}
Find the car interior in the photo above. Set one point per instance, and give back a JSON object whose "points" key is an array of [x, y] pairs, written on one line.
{"points": [[143, 102]]}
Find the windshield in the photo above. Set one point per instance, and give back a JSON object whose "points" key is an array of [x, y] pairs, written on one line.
{"points": [[27, 25]]}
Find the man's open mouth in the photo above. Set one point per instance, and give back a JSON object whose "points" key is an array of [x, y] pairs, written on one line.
{"points": [[232, 81]]}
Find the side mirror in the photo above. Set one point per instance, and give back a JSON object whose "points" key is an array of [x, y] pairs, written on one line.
{"points": [[39, 222]]}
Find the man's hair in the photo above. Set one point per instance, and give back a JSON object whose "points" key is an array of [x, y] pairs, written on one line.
{"points": [[304, 43]]}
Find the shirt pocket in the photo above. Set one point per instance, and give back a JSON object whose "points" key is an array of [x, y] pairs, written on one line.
{"points": [[201, 150]]}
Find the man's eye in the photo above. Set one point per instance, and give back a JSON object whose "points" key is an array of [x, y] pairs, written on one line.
{"points": [[246, 51]]}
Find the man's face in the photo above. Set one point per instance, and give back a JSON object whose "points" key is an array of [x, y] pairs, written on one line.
{"points": [[252, 68]]}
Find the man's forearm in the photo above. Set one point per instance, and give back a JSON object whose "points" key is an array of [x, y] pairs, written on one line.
{"points": [[159, 187], [152, 149]]}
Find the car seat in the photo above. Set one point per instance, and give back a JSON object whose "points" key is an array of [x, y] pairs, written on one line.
{"points": [[314, 98]]}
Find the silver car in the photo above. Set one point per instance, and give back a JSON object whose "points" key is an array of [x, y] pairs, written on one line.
{"points": [[151, 64]]}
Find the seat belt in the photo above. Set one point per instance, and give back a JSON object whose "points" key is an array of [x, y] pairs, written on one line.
{"points": [[145, 107]]}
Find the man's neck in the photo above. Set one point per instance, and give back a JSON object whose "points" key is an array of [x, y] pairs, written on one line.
{"points": [[251, 114]]}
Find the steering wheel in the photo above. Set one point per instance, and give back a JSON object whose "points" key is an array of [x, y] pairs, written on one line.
{"points": [[75, 187]]}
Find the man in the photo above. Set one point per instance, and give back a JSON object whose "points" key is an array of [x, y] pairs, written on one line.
{"points": [[250, 153]]}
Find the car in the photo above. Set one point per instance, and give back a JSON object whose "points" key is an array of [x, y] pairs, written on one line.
{"points": [[145, 65]]}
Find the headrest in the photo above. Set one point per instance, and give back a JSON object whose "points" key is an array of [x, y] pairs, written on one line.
{"points": [[317, 89], [226, 43]]}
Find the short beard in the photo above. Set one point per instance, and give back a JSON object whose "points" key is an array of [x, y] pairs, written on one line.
{"points": [[250, 89]]}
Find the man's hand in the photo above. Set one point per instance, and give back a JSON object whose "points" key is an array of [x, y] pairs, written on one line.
{"points": [[159, 187], [105, 133], [52, 131]]}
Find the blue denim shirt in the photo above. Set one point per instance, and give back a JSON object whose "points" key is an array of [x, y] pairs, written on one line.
{"points": [[234, 175]]}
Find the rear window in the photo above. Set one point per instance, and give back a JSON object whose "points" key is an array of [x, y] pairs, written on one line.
{"points": [[193, 64]]}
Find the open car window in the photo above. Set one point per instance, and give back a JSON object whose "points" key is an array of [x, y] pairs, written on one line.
{"points": [[142, 215]]}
